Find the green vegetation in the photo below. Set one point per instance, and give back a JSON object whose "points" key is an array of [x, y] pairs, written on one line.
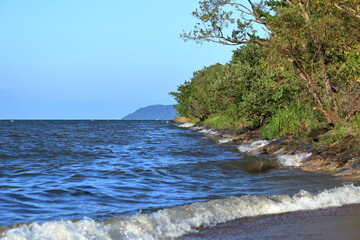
{"points": [[335, 135], [223, 122], [297, 119], [341, 131], [304, 74]]}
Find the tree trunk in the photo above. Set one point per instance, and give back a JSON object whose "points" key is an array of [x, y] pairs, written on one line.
{"points": [[309, 83], [328, 85]]}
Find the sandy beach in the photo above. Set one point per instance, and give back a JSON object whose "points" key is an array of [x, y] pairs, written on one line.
{"points": [[331, 224]]}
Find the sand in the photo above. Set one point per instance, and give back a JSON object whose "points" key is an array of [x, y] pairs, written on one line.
{"points": [[330, 224]]}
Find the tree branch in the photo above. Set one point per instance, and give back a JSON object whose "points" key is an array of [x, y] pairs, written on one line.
{"points": [[348, 10]]}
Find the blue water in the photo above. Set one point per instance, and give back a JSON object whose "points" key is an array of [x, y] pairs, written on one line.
{"points": [[53, 170]]}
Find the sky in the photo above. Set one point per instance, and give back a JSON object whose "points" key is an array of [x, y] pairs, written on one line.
{"points": [[92, 59]]}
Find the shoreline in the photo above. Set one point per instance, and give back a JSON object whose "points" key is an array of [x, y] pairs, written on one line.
{"points": [[341, 159], [329, 223]]}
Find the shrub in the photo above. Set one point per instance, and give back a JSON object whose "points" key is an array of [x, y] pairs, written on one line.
{"points": [[223, 122], [296, 119]]}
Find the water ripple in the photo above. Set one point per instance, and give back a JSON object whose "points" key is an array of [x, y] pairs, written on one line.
{"points": [[53, 170]]}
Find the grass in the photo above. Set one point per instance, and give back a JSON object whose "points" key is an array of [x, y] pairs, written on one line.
{"points": [[223, 122], [296, 119], [342, 130], [195, 120], [337, 134]]}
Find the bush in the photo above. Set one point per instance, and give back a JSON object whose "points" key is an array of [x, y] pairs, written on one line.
{"points": [[296, 119], [223, 122]]}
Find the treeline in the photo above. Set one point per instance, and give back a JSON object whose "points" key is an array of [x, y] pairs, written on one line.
{"points": [[303, 74]]}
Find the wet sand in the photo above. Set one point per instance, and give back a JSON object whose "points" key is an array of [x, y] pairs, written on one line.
{"points": [[330, 224]]}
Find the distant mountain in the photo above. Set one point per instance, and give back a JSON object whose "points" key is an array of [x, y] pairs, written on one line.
{"points": [[154, 112]]}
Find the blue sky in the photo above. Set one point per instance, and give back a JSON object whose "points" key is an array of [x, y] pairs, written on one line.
{"points": [[92, 59]]}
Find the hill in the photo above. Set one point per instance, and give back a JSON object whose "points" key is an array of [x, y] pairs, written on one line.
{"points": [[153, 112]]}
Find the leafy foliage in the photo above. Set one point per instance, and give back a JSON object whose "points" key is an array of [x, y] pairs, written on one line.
{"points": [[246, 88], [296, 119], [318, 38], [306, 63]]}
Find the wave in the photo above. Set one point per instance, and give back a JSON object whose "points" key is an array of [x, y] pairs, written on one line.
{"points": [[292, 160], [248, 147], [5, 156], [225, 140], [197, 128], [178, 221], [187, 125], [19, 135], [201, 129], [209, 132]]}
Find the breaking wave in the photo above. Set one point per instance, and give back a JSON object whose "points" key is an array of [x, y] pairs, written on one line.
{"points": [[292, 160], [225, 140], [248, 147], [177, 221], [209, 132], [187, 125]]}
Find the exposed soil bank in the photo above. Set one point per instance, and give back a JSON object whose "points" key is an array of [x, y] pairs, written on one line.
{"points": [[181, 120], [331, 224]]}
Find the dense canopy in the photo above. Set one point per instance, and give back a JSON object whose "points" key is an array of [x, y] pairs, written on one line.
{"points": [[296, 58]]}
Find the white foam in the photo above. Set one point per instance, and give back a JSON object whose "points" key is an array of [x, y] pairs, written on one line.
{"points": [[59, 230], [175, 222], [292, 160], [201, 129], [225, 140], [187, 125], [197, 128], [209, 132], [248, 147]]}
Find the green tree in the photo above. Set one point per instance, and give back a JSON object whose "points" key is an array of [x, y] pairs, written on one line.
{"points": [[317, 37], [184, 99], [245, 90]]}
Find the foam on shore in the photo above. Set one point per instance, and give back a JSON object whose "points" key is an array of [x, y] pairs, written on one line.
{"points": [[209, 132], [225, 140], [187, 125], [292, 160], [177, 221], [248, 147]]}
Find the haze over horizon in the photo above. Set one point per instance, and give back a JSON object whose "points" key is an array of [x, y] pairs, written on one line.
{"points": [[95, 60]]}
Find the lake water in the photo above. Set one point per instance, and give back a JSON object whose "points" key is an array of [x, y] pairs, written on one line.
{"points": [[140, 180]]}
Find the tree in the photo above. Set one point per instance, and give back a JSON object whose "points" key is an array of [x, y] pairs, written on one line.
{"points": [[316, 37], [245, 90], [216, 19], [350, 7]]}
